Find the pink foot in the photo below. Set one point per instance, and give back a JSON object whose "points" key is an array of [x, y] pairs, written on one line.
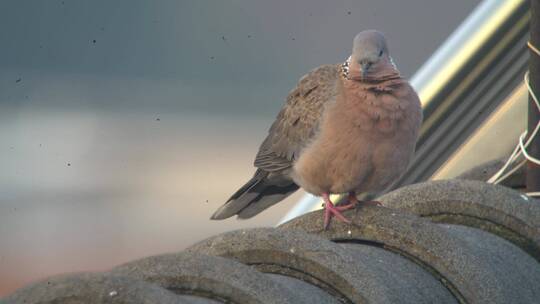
{"points": [[372, 203], [353, 201], [330, 210]]}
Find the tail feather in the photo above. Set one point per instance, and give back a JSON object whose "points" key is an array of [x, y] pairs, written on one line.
{"points": [[259, 193], [270, 196]]}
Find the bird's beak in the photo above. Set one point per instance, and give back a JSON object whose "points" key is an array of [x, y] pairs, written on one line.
{"points": [[365, 68]]}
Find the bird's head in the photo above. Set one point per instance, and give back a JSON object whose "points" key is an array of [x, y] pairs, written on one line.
{"points": [[370, 58]]}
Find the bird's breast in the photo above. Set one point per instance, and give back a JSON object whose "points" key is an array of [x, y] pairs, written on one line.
{"points": [[364, 139]]}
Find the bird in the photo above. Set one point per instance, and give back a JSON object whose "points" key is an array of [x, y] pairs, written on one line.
{"points": [[346, 128]]}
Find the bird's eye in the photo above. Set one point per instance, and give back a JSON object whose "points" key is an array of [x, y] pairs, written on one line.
{"points": [[380, 53]]}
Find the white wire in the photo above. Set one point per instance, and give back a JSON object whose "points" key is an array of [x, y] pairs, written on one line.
{"points": [[533, 48], [525, 153], [509, 173], [517, 150], [511, 159], [521, 148]]}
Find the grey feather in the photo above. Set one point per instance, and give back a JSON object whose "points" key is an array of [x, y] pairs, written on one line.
{"points": [[295, 126], [262, 191], [297, 122]]}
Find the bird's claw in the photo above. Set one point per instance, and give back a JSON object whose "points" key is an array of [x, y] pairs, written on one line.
{"points": [[330, 210], [354, 201], [372, 203]]}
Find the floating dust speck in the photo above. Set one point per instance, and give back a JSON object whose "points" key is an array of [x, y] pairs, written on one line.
{"points": [[18, 80], [349, 232], [69, 164], [292, 250], [94, 41], [113, 293]]}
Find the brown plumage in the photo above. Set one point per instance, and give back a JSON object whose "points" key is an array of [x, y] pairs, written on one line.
{"points": [[345, 128]]}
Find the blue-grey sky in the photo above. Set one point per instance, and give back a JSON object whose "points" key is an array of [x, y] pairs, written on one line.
{"points": [[224, 50]]}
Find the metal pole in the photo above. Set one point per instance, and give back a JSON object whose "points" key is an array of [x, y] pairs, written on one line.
{"points": [[533, 170]]}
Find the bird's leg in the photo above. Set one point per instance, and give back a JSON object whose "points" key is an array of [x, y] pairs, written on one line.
{"points": [[372, 203], [351, 202], [330, 210]]}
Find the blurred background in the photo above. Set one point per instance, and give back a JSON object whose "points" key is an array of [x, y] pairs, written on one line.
{"points": [[125, 124]]}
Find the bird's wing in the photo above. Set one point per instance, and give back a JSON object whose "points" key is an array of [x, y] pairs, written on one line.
{"points": [[298, 120]]}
